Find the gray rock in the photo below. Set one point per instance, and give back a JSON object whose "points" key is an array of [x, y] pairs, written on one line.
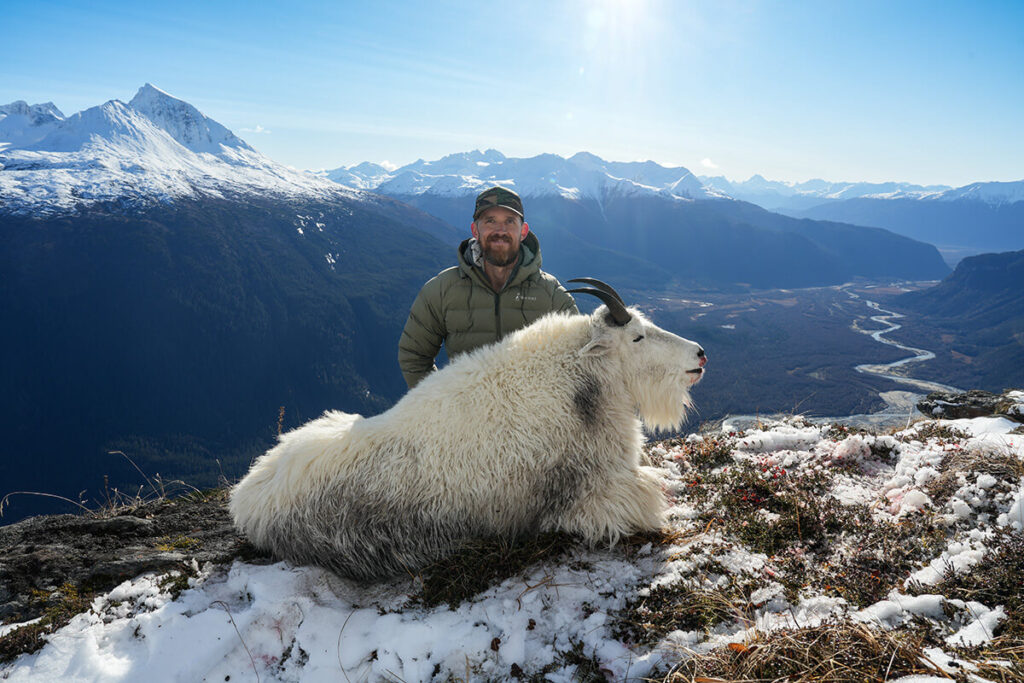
{"points": [[95, 552], [973, 403]]}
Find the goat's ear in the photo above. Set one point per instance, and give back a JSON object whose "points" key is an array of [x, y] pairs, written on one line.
{"points": [[599, 345]]}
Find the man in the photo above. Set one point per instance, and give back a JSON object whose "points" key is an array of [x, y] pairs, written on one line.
{"points": [[496, 288]]}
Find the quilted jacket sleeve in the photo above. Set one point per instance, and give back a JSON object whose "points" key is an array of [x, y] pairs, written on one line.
{"points": [[561, 300], [422, 336]]}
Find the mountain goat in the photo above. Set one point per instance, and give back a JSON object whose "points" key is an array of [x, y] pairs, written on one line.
{"points": [[536, 432]]}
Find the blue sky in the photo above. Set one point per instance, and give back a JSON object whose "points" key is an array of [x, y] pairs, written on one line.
{"points": [[924, 92]]}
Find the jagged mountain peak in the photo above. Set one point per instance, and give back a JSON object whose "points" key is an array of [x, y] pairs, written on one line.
{"points": [[489, 155], [24, 124], [37, 113], [366, 166], [583, 175], [183, 122], [110, 121], [585, 158], [153, 148]]}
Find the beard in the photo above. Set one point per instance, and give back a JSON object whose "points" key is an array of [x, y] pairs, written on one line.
{"points": [[500, 252]]}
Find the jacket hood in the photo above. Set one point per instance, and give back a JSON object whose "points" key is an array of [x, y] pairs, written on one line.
{"points": [[529, 262]]}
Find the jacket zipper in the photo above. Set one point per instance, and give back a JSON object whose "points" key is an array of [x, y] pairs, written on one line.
{"points": [[497, 316]]}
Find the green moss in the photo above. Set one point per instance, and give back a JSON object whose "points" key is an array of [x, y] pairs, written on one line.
{"points": [[179, 542], [63, 604]]}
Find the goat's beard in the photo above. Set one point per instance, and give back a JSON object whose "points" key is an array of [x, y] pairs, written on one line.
{"points": [[492, 256], [662, 400]]}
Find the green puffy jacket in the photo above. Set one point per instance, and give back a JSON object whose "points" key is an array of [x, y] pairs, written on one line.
{"points": [[459, 308]]}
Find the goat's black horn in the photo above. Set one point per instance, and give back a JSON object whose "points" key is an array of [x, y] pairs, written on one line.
{"points": [[618, 312], [603, 286]]}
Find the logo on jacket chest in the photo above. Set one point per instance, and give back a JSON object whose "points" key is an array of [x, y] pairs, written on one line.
{"points": [[520, 297]]}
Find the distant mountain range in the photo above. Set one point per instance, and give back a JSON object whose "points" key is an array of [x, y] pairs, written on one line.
{"points": [[983, 216], [648, 225], [785, 197], [961, 221], [581, 176]]}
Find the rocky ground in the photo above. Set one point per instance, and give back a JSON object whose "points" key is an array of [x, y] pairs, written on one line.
{"points": [[52, 565], [974, 403]]}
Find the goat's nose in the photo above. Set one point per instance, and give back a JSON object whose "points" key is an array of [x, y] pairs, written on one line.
{"points": [[703, 358]]}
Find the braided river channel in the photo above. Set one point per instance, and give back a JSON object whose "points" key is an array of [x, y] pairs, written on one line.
{"points": [[901, 405]]}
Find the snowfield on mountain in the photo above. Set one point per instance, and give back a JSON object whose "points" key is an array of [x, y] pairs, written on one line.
{"points": [[155, 147], [903, 549]]}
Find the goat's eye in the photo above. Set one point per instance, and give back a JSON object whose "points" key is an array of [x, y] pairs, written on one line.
{"points": [[639, 338]]}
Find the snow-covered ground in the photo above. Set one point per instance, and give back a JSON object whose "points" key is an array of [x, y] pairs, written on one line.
{"points": [[285, 623]]}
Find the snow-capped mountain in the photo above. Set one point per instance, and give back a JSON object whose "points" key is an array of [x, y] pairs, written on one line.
{"points": [[155, 147], [990, 193], [641, 224], [21, 124], [961, 221], [183, 122], [782, 196], [973, 219], [581, 176]]}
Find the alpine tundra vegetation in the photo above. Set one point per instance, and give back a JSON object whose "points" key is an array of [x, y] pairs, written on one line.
{"points": [[791, 550]]}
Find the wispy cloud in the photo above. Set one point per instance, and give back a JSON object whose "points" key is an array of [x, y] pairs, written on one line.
{"points": [[258, 129], [707, 163]]}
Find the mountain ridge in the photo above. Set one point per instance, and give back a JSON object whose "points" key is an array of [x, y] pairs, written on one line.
{"points": [[155, 148], [595, 214]]}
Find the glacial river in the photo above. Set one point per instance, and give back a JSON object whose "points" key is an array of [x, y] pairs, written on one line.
{"points": [[901, 406]]}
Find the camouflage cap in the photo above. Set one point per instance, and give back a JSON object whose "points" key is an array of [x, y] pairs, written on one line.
{"points": [[498, 196]]}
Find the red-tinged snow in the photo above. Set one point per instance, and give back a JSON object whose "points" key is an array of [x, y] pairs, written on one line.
{"points": [[304, 624]]}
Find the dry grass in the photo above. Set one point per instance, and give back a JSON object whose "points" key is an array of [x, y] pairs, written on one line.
{"points": [[116, 502], [999, 580], [1001, 661], [830, 653], [681, 607], [960, 462], [483, 563]]}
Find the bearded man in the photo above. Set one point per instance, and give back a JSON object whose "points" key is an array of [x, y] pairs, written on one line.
{"points": [[496, 288]]}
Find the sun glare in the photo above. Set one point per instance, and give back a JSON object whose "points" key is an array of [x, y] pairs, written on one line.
{"points": [[618, 38]]}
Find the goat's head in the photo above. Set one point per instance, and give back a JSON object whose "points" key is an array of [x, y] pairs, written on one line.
{"points": [[658, 367]]}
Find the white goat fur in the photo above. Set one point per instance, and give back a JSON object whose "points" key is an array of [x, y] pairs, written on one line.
{"points": [[536, 432]]}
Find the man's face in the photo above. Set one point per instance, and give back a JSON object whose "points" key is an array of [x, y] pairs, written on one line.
{"points": [[499, 232]]}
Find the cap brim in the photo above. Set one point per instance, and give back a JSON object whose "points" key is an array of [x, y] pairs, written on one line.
{"points": [[499, 206]]}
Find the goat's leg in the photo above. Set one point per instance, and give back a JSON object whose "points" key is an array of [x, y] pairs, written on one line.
{"points": [[623, 504]]}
